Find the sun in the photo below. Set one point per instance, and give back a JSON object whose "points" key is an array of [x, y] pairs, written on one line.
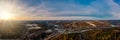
{"points": [[6, 11], [6, 16]]}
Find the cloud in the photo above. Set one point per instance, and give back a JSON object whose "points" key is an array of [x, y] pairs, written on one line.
{"points": [[44, 12], [97, 10], [115, 9], [69, 10]]}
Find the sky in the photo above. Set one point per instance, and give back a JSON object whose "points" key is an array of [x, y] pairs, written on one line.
{"points": [[63, 9]]}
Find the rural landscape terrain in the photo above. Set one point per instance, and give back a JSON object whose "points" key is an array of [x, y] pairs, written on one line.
{"points": [[64, 30]]}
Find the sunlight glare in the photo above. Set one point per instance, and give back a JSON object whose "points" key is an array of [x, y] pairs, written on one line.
{"points": [[6, 16]]}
